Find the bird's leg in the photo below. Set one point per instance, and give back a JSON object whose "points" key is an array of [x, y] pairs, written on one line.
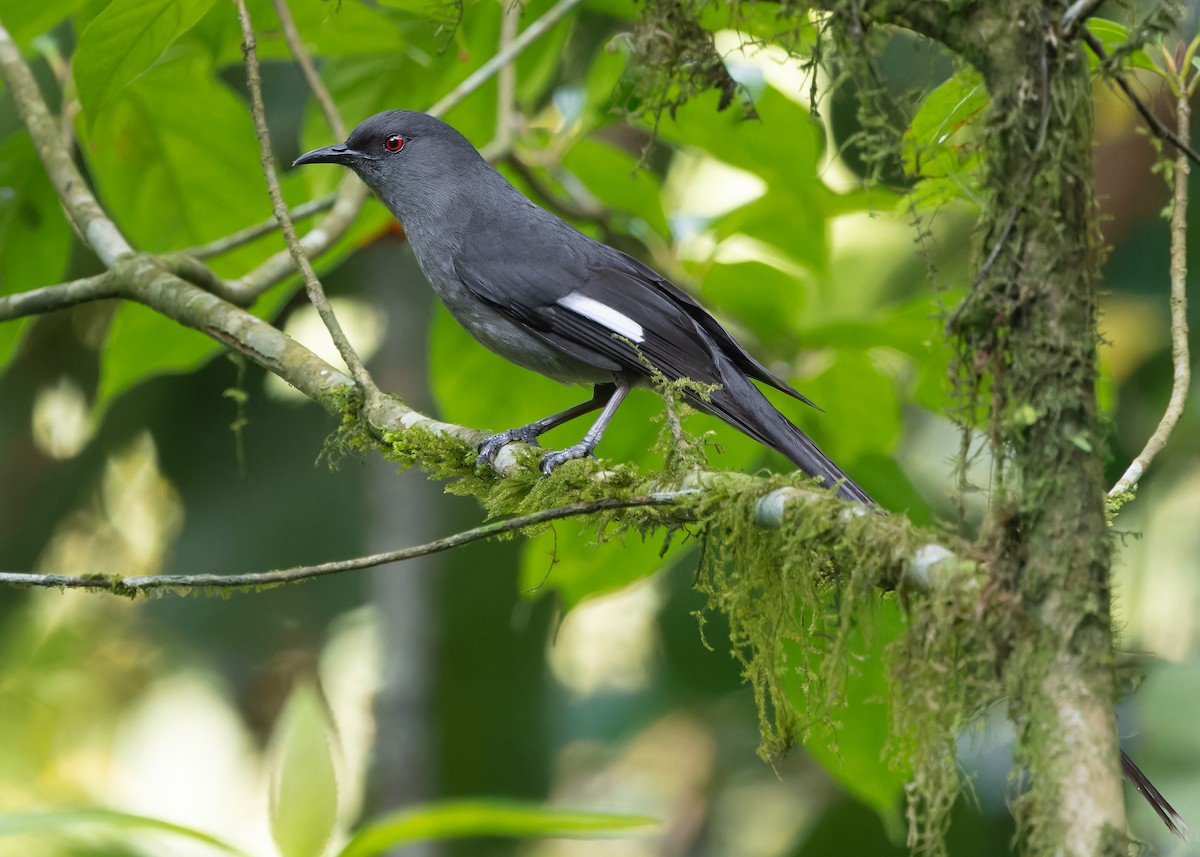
{"points": [[584, 448], [491, 446]]}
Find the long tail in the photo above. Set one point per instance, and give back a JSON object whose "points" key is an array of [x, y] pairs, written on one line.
{"points": [[1172, 819], [742, 405]]}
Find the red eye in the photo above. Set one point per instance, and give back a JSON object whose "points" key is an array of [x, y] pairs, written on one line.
{"points": [[394, 143]]}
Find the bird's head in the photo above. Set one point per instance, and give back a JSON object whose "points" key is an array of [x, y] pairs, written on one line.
{"points": [[403, 156]]}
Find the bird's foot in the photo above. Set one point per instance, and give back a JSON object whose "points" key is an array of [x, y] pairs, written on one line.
{"points": [[491, 446], [551, 460]]}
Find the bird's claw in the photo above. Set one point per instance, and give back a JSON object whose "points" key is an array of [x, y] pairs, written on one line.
{"points": [[491, 446], [552, 460]]}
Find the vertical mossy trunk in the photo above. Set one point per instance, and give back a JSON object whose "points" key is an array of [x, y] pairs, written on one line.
{"points": [[1028, 342]]}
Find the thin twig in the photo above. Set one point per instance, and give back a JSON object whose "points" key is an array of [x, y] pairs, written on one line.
{"points": [[506, 79], [503, 58], [1156, 127], [311, 284], [242, 237], [1077, 15], [1181, 377], [185, 583], [296, 46], [51, 298], [351, 194]]}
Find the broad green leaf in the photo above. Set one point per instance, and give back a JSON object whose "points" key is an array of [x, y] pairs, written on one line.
{"points": [[611, 174], [304, 788], [766, 303], [783, 144], [441, 11], [328, 29], [458, 819], [850, 734], [72, 822], [176, 162], [125, 40], [1114, 37], [25, 21], [176, 159], [35, 239], [573, 562], [862, 407], [141, 344], [940, 146]]}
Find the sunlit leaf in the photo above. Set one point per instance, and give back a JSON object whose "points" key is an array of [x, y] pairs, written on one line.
{"points": [[611, 175], [1114, 37], [78, 821], [28, 20], [304, 788], [940, 147], [488, 818], [176, 158], [125, 40]]}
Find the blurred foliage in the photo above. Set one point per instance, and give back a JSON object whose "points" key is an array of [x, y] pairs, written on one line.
{"points": [[755, 208]]}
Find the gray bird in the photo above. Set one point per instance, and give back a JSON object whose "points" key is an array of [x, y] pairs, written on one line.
{"points": [[540, 293], [543, 295]]}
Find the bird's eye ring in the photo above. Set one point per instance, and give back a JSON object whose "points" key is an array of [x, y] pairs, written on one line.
{"points": [[394, 143]]}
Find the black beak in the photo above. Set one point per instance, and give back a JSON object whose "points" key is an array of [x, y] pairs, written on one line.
{"points": [[338, 154]]}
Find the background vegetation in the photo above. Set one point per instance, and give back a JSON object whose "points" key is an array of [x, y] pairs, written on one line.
{"points": [[552, 669]]}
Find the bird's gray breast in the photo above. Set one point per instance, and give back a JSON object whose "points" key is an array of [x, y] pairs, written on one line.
{"points": [[491, 327]]}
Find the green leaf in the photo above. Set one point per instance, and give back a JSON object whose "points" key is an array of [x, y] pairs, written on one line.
{"points": [[940, 147], [176, 159], [441, 11], [851, 738], [142, 343], [572, 562], [611, 174], [304, 788], [487, 818], [25, 21], [64, 822], [1115, 37], [125, 40], [35, 239]]}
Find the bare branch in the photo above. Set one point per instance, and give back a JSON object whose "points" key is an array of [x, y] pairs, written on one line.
{"points": [[502, 58], [51, 298], [258, 230], [346, 204], [313, 286], [1152, 122], [85, 213], [1181, 377], [506, 80], [296, 46], [187, 583]]}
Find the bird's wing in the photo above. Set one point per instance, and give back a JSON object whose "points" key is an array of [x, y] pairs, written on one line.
{"points": [[594, 312], [584, 298]]}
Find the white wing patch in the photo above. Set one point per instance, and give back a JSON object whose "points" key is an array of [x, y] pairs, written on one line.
{"points": [[603, 315]]}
